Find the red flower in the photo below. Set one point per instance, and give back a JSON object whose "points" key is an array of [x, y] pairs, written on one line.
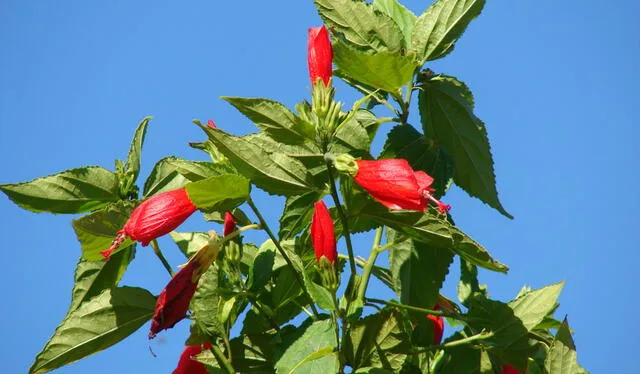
{"points": [[212, 124], [508, 369], [155, 217], [438, 326], [187, 365], [425, 181], [319, 55], [322, 233], [229, 224], [392, 182]]}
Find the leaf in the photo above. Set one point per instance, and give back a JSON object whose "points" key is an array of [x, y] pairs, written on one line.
{"points": [[404, 141], [418, 271], [305, 342], [204, 304], [437, 29], [350, 137], [297, 214], [260, 269], [273, 118], [532, 307], [319, 294], [464, 359], [93, 277], [403, 17], [468, 284], [221, 193], [473, 252], [95, 325], [97, 230], [189, 242], [360, 25], [447, 116], [275, 173], [387, 71], [253, 353], [71, 191], [133, 159], [562, 357], [378, 340]]}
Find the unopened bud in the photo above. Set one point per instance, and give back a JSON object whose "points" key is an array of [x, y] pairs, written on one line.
{"points": [[346, 164]]}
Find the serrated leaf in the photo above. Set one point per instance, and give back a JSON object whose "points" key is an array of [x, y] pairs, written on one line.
{"points": [[404, 141], [273, 118], [204, 304], [133, 159], [436, 30], [275, 173], [562, 357], [319, 294], [473, 252], [305, 342], [360, 25], [403, 17], [97, 230], [533, 306], [71, 191], [468, 284], [418, 271], [260, 269], [189, 242], [221, 193], [95, 325], [378, 340], [387, 71], [447, 117], [297, 214], [350, 137]]}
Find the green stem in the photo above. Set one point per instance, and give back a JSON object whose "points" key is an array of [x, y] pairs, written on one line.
{"points": [[222, 360], [373, 255], [480, 336], [266, 228], [239, 231], [416, 309], [343, 219], [158, 252]]}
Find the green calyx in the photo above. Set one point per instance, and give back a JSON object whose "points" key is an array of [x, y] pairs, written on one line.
{"points": [[345, 163]]}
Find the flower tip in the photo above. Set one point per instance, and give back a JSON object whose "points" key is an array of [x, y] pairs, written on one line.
{"points": [[212, 124], [106, 254], [443, 208]]}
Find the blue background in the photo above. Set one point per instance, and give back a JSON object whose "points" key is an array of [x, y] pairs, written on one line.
{"points": [[555, 82]]}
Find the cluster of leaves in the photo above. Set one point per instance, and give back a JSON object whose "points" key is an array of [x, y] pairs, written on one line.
{"points": [[380, 49]]}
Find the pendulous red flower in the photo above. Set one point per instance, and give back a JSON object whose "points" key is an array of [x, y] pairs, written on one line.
{"points": [[229, 224], [319, 55], [508, 369], [392, 182], [187, 365], [157, 216], [438, 326], [323, 234]]}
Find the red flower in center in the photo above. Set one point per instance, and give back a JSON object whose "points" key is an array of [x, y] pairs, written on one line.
{"points": [[319, 55], [229, 224], [187, 365], [323, 234], [392, 182]]}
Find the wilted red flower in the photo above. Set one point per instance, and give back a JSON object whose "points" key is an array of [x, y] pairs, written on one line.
{"points": [[157, 216], [187, 365], [212, 124], [392, 182], [425, 181], [508, 369], [438, 326], [319, 55], [323, 234], [229, 224]]}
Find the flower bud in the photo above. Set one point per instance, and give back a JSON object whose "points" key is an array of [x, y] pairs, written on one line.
{"points": [[345, 164], [323, 234], [319, 55], [438, 326], [508, 369], [187, 365], [156, 216], [229, 224]]}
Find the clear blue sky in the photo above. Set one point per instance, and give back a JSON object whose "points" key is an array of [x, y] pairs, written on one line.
{"points": [[555, 81]]}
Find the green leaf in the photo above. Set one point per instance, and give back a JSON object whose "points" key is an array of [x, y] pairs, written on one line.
{"points": [[369, 121], [299, 354], [379, 340], [388, 71], [319, 294], [437, 29], [532, 307], [473, 252], [260, 269], [97, 230], [562, 357], [465, 359], [95, 325], [221, 193], [418, 271], [350, 137], [273, 118], [286, 288], [404, 141], [171, 173], [275, 173], [360, 25], [468, 284], [297, 214], [133, 159], [403, 17], [204, 304], [446, 111], [189, 242], [71, 191], [93, 277]]}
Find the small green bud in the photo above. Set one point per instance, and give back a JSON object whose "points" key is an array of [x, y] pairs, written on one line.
{"points": [[347, 164]]}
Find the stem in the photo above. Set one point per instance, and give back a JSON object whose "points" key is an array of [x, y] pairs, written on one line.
{"points": [[266, 228], [376, 98], [343, 219], [373, 255], [239, 231], [416, 309], [221, 359], [158, 252], [480, 336]]}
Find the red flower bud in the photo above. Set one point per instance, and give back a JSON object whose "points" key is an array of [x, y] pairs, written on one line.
{"points": [[508, 369], [212, 124], [322, 233], [157, 216], [187, 365], [392, 182], [438, 327], [229, 224], [319, 55]]}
